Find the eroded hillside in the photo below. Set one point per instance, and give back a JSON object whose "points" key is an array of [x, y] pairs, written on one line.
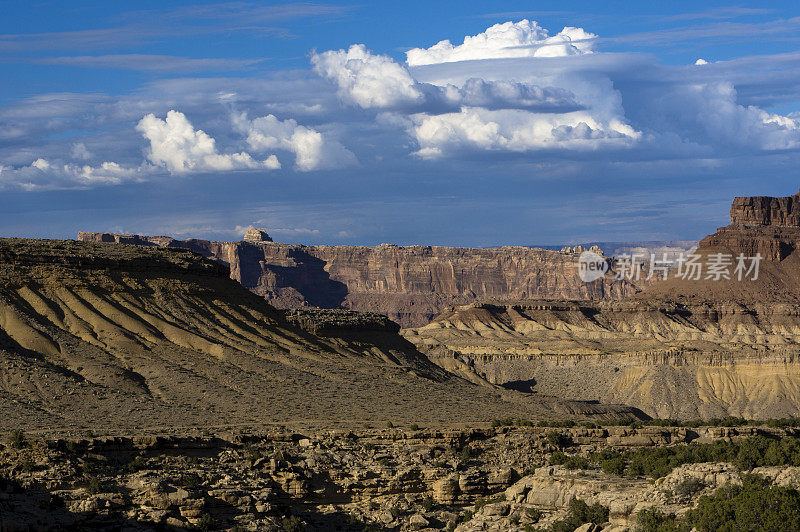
{"points": [[109, 335]]}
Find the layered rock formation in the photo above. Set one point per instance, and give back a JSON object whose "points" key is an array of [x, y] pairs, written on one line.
{"points": [[681, 348], [670, 361], [409, 284]]}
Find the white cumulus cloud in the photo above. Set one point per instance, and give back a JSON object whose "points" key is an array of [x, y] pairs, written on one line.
{"points": [[361, 82], [43, 174], [312, 150], [515, 131], [510, 39], [177, 146], [366, 79]]}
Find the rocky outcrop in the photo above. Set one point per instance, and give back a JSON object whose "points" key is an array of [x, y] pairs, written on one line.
{"points": [[410, 284], [395, 478], [762, 224], [256, 236]]}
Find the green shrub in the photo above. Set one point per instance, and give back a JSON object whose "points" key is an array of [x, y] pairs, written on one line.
{"points": [[614, 466], [689, 487], [506, 422], [137, 464], [753, 506], [533, 514], [558, 439], [414, 426], [389, 425], [570, 461], [428, 503], [93, 485], [580, 513], [17, 439], [206, 523], [467, 452], [652, 520], [291, 523]]}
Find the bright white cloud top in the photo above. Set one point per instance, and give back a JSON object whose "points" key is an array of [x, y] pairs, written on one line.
{"points": [[366, 79], [510, 39]]}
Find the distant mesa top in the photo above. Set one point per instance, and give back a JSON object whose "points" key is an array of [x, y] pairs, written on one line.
{"points": [[256, 235], [765, 210]]}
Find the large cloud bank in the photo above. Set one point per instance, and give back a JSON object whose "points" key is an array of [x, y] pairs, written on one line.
{"points": [[552, 95], [513, 91]]}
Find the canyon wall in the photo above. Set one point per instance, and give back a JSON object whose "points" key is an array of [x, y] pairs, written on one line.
{"points": [[410, 284]]}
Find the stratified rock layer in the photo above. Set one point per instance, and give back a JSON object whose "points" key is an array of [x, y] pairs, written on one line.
{"points": [[680, 348], [410, 284]]}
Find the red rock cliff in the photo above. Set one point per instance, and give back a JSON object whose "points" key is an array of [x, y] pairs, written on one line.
{"points": [[410, 284]]}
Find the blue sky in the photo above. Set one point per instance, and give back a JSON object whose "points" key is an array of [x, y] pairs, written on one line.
{"points": [[549, 124]]}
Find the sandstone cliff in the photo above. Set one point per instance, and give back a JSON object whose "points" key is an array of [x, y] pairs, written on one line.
{"points": [[410, 284], [672, 362]]}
